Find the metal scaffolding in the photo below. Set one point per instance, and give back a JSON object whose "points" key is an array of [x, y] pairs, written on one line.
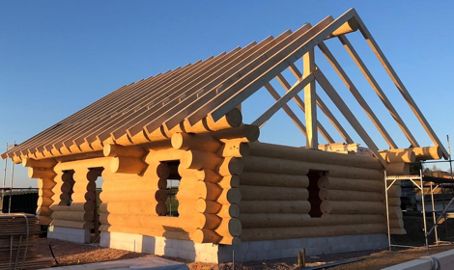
{"points": [[423, 184]]}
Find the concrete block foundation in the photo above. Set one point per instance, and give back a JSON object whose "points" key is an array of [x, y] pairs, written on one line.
{"points": [[245, 251], [68, 234]]}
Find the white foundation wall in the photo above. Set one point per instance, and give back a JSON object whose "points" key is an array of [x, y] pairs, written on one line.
{"points": [[243, 252]]}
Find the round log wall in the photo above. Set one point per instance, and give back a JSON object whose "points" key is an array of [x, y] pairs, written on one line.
{"points": [[210, 165], [277, 194]]}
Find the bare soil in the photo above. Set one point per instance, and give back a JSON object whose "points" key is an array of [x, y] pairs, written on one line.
{"points": [[369, 261], [67, 253]]}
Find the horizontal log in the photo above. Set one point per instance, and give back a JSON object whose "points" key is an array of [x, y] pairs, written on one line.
{"points": [[202, 174], [313, 156], [304, 220], [272, 220], [249, 133], [134, 208], [186, 141], [349, 195], [127, 165], [199, 236], [42, 173], [398, 155], [190, 188], [73, 216], [273, 179], [108, 197], [70, 224], [352, 207], [187, 223], [268, 207], [253, 193], [427, 153], [44, 163], [114, 150], [352, 184], [194, 159], [255, 234], [282, 166]]}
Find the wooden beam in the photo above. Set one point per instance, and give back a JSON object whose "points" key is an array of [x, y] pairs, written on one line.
{"points": [[286, 85], [374, 84], [332, 119], [310, 111], [351, 86], [286, 108], [343, 107], [230, 97], [296, 88], [399, 84]]}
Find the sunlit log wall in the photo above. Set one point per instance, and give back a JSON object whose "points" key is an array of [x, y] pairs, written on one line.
{"points": [[232, 188], [133, 195], [275, 191]]}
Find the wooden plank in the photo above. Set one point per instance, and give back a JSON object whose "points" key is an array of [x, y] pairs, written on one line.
{"points": [[310, 111], [286, 85], [399, 84], [340, 104], [287, 109], [296, 88], [374, 84], [351, 86], [344, 134]]}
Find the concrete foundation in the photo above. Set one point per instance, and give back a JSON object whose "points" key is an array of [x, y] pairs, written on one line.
{"points": [[69, 234], [245, 251]]}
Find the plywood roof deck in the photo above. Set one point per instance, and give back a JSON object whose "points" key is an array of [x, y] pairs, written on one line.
{"points": [[211, 88]]}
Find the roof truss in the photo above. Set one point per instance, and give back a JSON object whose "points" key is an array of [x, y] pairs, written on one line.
{"points": [[215, 86]]}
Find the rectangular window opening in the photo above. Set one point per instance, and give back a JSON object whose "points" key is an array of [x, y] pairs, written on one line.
{"points": [[173, 183]]}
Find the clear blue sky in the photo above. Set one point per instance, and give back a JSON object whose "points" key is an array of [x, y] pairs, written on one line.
{"points": [[58, 56]]}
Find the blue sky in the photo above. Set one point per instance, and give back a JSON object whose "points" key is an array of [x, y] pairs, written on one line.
{"points": [[58, 56]]}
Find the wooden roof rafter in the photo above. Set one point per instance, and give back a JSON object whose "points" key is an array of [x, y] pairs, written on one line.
{"points": [[212, 88]]}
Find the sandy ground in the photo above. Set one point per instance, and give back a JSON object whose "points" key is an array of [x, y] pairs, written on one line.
{"points": [[67, 253]]}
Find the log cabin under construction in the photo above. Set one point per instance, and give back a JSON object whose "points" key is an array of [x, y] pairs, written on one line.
{"points": [[184, 176]]}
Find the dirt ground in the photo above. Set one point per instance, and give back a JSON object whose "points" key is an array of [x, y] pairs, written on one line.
{"points": [[67, 253], [369, 261]]}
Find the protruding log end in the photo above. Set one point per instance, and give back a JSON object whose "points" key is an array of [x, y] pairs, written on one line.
{"points": [[232, 119], [47, 163], [41, 173], [348, 27], [199, 142], [114, 150], [127, 165]]}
